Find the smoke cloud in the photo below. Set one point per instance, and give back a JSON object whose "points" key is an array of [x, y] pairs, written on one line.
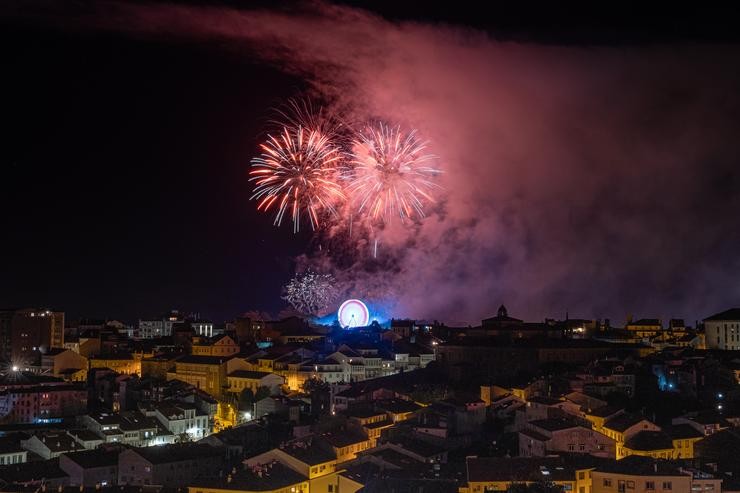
{"points": [[602, 180]]}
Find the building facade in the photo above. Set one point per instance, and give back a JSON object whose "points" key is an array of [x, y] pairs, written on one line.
{"points": [[33, 331], [722, 330]]}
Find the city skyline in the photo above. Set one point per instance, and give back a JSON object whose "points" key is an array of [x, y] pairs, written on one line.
{"points": [[368, 247]]}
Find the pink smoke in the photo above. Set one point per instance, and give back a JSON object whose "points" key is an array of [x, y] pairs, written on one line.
{"points": [[576, 177]]}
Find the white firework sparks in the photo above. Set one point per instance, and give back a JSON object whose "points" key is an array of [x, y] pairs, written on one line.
{"points": [[390, 173], [310, 292]]}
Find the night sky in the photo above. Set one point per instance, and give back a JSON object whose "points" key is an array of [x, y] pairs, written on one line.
{"points": [[125, 182], [123, 167]]}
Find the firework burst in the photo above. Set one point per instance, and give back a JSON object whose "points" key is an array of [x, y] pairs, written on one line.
{"points": [[311, 293], [390, 173], [297, 173]]}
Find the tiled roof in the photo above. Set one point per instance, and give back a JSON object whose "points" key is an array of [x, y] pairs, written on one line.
{"points": [[89, 459], [310, 450], [487, 469], [251, 375], [268, 477], [646, 440], [623, 422], [731, 314], [637, 465], [682, 432], [534, 435], [164, 454], [556, 424]]}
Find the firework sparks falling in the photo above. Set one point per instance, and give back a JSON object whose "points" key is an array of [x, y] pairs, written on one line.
{"points": [[297, 173], [390, 173], [311, 293]]}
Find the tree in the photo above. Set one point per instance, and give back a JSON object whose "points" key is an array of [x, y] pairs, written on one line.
{"points": [[261, 393], [314, 384], [246, 400], [183, 437]]}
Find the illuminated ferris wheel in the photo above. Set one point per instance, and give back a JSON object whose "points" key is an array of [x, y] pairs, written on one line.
{"points": [[353, 313]]}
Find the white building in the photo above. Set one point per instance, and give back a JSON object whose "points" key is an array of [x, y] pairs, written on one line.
{"points": [[203, 328], [51, 444], [722, 330], [183, 418], [129, 427], [153, 328], [11, 453]]}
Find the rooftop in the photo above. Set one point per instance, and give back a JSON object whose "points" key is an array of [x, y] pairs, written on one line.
{"points": [[547, 401], [267, 477], [637, 465], [170, 411], [251, 375], [398, 459], [708, 418], [310, 450], [604, 411], [363, 412], [534, 435], [731, 314], [202, 360], [419, 447], [556, 424], [30, 471], [135, 420], [649, 440], [89, 459], [379, 424], [486, 469], [343, 438], [58, 441], [26, 378], [111, 357], [623, 421], [682, 432], [104, 418], [164, 454], [398, 406], [84, 435]]}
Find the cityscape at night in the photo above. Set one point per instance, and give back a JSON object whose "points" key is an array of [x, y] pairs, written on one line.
{"points": [[369, 247]]}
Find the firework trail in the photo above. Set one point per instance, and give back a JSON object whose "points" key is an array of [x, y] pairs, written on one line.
{"points": [[390, 173], [298, 173], [311, 293], [299, 112]]}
